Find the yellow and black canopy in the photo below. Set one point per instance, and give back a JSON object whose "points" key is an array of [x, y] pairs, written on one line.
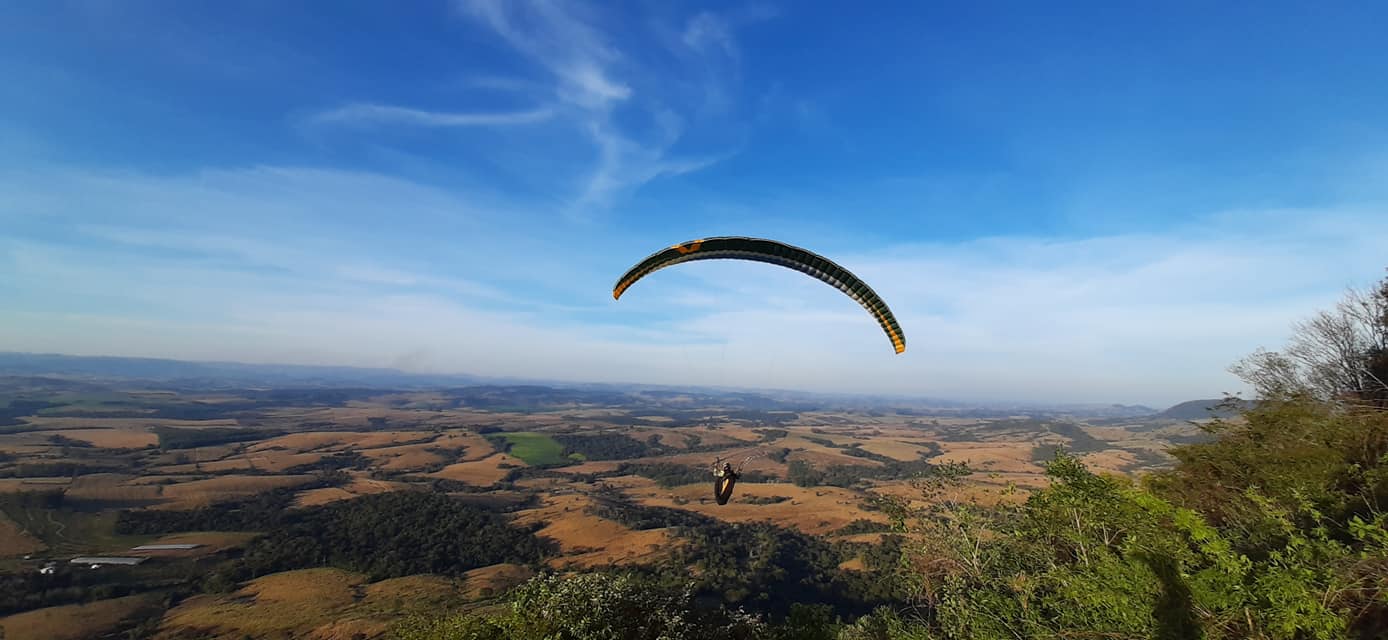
{"points": [[771, 252]]}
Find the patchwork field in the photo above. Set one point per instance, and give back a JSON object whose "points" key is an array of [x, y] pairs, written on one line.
{"points": [[554, 461]]}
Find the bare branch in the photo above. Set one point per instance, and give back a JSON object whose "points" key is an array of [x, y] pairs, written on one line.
{"points": [[1335, 355]]}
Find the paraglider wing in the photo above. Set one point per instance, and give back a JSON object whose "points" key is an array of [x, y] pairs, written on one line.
{"points": [[771, 252]]}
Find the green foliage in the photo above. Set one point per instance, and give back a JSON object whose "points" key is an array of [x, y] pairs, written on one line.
{"points": [[384, 535], [11, 413], [390, 535], [1098, 556], [609, 446], [176, 438], [809, 622], [667, 474], [593, 606], [614, 506], [769, 569], [802, 474], [261, 512], [604, 606], [461, 627], [329, 463], [862, 526], [884, 624], [57, 469], [31, 590], [771, 435], [41, 499]]}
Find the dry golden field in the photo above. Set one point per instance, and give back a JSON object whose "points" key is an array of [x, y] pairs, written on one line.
{"points": [[359, 486], [110, 438], [71, 622], [329, 603], [198, 493], [987, 456], [895, 449], [32, 484], [816, 510], [483, 473], [113, 487], [486, 581], [587, 540], [289, 604], [212, 541]]}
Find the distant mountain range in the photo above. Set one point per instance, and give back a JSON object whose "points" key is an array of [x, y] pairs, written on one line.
{"points": [[220, 374], [212, 375]]}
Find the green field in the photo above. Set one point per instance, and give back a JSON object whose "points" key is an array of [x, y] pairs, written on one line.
{"points": [[536, 449], [73, 532]]}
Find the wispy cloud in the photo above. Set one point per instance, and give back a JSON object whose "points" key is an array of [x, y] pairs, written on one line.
{"points": [[606, 89], [561, 38], [624, 164], [630, 103], [363, 114], [707, 31]]}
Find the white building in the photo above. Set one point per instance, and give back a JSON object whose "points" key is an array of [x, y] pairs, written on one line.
{"points": [[97, 561]]}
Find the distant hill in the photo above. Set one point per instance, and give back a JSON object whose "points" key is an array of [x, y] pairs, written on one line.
{"points": [[191, 375], [1206, 409], [215, 374]]}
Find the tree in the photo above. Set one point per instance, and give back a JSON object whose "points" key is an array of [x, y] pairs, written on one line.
{"points": [[1336, 355], [592, 606]]}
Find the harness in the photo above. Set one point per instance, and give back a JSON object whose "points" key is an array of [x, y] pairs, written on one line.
{"points": [[724, 479]]}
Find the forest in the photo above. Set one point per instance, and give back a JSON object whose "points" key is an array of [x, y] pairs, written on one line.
{"points": [[384, 536]]}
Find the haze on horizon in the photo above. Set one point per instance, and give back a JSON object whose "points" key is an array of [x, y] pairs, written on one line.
{"points": [[1080, 204]]}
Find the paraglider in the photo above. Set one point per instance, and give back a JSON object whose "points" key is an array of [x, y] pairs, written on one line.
{"points": [[771, 252]]}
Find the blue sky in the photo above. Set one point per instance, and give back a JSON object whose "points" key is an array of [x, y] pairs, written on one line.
{"points": [[1088, 203]]}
